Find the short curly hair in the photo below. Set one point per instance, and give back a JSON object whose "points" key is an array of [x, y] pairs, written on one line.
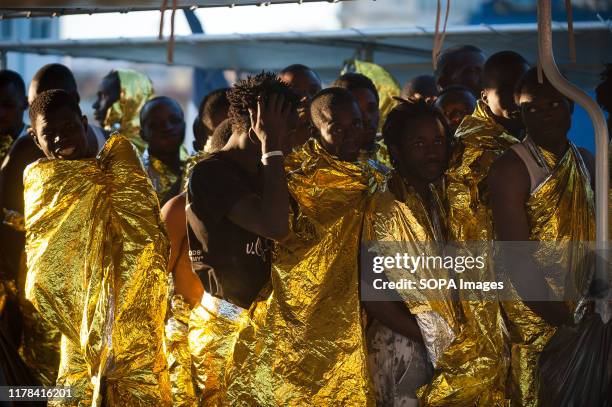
{"points": [[405, 113], [243, 96], [325, 101], [51, 100]]}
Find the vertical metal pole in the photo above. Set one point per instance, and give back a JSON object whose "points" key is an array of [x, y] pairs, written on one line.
{"points": [[549, 66]]}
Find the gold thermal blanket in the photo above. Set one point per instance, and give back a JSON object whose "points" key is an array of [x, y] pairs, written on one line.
{"points": [[309, 347], [124, 114], [562, 218], [473, 370], [163, 178], [179, 357], [97, 255], [402, 223]]}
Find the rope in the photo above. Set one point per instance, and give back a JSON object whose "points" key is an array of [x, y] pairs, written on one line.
{"points": [[161, 23], [439, 37], [171, 41]]}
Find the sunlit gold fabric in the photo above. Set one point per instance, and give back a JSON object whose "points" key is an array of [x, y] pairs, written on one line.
{"points": [[161, 175], [211, 340], [124, 114], [310, 348], [40, 349], [479, 140], [473, 369], [179, 357], [40, 340], [403, 218], [559, 210], [97, 255], [385, 83]]}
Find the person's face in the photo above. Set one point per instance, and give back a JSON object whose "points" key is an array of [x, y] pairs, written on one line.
{"points": [[468, 71], [163, 128], [370, 115], [341, 135], [108, 94], [455, 109], [12, 106], [61, 134], [546, 114], [304, 83], [500, 98], [423, 152]]}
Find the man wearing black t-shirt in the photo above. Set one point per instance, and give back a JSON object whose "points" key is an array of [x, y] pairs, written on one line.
{"points": [[237, 203]]}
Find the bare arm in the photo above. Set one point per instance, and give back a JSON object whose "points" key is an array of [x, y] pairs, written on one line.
{"points": [[268, 216], [509, 186], [173, 215], [186, 282]]}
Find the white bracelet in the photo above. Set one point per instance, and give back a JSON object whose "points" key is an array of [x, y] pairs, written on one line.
{"points": [[271, 154]]}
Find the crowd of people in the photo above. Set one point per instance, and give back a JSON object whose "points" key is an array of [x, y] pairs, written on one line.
{"points": [[138, 274]]}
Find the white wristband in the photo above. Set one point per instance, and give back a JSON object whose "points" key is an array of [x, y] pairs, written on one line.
{"points": [[271, 154]]}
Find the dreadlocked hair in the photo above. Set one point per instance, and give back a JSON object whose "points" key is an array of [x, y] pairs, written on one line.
{"points": [[244, 94]]}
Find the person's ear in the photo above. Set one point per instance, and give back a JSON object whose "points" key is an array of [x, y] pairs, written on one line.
{"points": [[483, 96], [143, 133], [84, 122], [32, 134]]}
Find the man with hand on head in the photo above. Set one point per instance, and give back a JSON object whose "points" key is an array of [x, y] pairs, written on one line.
{"points": [[308, 347], [97, 255], [237, 204]]}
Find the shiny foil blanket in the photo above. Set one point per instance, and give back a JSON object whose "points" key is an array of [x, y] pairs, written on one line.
{"points": [[162, 176], [179, 356], [212, 336], [403, 222], [310, 348], [561, 209], [473, 370], [97, 255], [124, 114]]}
